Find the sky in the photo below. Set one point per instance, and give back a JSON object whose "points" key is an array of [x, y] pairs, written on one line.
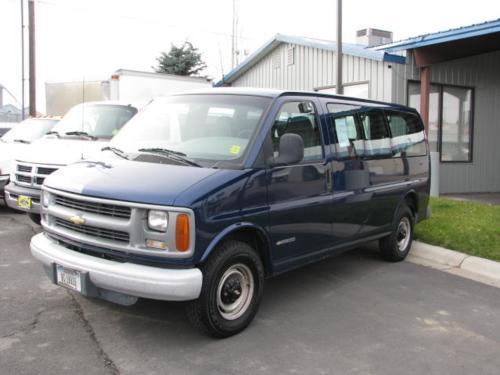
{"points": [[90, 39]]}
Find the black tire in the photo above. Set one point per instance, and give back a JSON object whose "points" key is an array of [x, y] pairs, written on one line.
{"points": [[36, 218], [229, 258], [395, 248]]}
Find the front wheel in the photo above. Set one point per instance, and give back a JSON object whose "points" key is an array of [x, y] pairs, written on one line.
{"points": [[233, 283], [397, 245]]}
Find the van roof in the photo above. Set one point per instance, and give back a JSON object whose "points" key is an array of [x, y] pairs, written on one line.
{"points": [[274, 93]]}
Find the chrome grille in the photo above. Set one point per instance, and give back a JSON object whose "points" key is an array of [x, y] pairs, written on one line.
{"points": [[108, 234], [23, 178], [45, 170], [32, 175], [93, 207], [24, 168]]}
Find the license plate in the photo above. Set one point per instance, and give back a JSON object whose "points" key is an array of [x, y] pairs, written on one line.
{"points": [[69, 278], [24, 201]]}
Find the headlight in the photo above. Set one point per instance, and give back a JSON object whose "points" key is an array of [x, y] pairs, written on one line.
{"points": [[158, 220], [45, 198]]}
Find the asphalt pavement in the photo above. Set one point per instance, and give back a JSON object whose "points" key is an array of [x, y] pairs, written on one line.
{"points": [[353, 314]]}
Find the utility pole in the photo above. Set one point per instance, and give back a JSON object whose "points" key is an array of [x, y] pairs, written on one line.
{"points": [[340, 87], [234, 39], [22, 59], [32, 85]]}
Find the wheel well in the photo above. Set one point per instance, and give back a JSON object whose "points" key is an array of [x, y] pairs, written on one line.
{"points": [[256, 239], [412, 201]]}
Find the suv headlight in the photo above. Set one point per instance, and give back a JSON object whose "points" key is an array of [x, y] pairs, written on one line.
{"points": [[45, 198], [158, 220]]}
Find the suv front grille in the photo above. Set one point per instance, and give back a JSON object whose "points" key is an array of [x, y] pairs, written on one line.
{"points": [[32, 175], [23, 178], [45, 170], [108, 234], [94, 207], [24, 168]]}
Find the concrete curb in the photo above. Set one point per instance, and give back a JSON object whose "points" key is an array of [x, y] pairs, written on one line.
{"points": [[454, 261]]}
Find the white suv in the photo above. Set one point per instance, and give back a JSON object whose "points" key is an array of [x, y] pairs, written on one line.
{"points": [[83, 131]]}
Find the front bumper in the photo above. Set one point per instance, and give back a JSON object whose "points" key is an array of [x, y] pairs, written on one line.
{"points": [[13, 191], [4, 180], [127, 279]]}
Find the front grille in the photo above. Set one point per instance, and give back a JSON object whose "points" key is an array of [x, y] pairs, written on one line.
{"points": [[37, 174], [94, 207], [24, 179], [89, 250], [108, 234], [24, 168], [45, 171]]}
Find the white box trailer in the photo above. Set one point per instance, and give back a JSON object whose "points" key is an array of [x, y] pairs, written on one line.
{"points": [[124, 85]]}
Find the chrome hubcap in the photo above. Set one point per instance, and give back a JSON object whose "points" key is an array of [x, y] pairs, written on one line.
{"points": [[235, 291], [403, 234]]}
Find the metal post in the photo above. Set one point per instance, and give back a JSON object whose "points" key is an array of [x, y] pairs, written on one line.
{"points": [[425, 88], [233, 38], [32, 85], [22, 59], [340, 88]]}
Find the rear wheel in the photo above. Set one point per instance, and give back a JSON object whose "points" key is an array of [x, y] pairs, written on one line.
{"points": [[233, 282], [397, 245], [35, 218]]}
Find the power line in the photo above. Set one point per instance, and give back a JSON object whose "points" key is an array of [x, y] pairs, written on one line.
{"points": [[147, 21]]}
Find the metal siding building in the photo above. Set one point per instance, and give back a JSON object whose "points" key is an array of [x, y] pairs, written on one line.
{"points": [[482, 74], [312, 67]]}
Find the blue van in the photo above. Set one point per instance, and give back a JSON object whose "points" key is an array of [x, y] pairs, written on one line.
{"points": [[202, 196]]}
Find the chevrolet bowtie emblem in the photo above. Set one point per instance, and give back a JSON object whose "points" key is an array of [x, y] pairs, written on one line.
{"points": [[78, 220]]}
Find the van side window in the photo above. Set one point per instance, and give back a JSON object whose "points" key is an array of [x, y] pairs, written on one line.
{"points": [[407, 131], [377, 140], [348, 141], [299, 118]]}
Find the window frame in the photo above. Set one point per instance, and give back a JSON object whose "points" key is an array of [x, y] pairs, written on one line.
{"points": [[388, 125], [472, 116], [388, 132], [332, 131], [317, 115]]}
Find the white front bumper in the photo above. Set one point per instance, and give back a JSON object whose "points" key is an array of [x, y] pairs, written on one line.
{"points": [[126, 278]]}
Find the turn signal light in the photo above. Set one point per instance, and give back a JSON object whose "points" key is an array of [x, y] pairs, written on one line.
{"points": [[182, 232]]}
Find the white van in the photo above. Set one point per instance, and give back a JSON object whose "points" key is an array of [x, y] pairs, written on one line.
{"points": [[83, 131], [17, 139]]}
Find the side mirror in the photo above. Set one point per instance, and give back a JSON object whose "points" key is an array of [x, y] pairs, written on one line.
{"points": [[291, 149]]}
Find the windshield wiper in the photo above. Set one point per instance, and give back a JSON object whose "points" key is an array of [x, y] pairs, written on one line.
{"points": [[81, 133], [116, 151], [53, 133], [171, 154], [22, 141]]}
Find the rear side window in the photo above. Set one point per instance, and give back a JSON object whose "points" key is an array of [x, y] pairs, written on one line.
{"points": [[377, 139], [407, 134], [348, 140]]}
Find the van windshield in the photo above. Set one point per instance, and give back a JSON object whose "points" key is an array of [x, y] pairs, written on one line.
{"points": [[96, 120], [29, 130], [207, 128]]}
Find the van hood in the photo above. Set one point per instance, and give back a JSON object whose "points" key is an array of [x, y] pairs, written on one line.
{"points": [[60, 151], [126, 180]]}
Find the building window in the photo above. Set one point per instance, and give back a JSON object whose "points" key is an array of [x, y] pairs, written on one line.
{"points": [[357, 90], [450, 120]]}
